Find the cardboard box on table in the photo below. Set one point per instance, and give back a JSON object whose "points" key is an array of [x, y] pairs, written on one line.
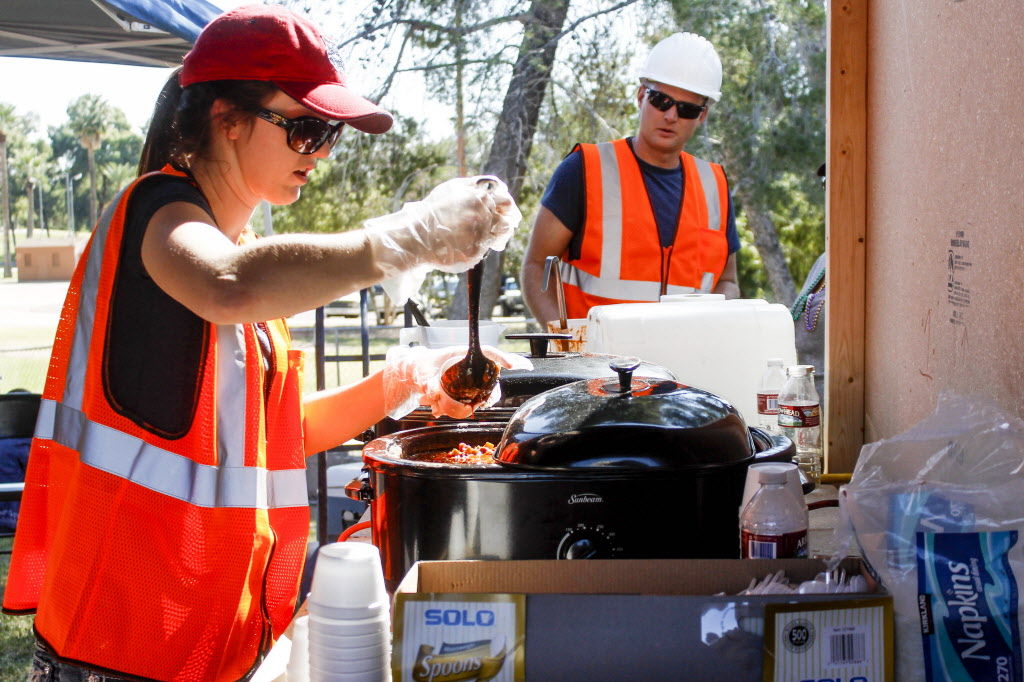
{"points": [[633, 620]]}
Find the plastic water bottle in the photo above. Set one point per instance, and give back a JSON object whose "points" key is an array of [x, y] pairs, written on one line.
{"points": [[768, 396], [773, 525], [800, 418]]}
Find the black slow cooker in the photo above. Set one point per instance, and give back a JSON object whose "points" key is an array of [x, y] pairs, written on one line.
{"points": [[626, 467]]}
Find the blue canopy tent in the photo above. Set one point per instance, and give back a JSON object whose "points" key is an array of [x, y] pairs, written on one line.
{"points": [[135, 32]]}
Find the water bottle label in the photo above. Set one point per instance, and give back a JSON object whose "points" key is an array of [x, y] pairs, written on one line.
{"points": [[785, 546], [799, 415], [767, 403]]}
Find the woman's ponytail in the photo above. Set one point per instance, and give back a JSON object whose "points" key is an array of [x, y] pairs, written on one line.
{"points": [[157, 150], [180, 125]]}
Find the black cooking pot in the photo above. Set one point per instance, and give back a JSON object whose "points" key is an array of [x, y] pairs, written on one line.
{"points": [[550, 370], [618, 484]]}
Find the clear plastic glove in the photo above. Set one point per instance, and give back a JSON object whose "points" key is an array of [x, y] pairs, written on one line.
{"points": [[412, 377], [450, 230]]}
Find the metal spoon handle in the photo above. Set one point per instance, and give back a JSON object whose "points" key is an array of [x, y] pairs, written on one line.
{"points": [[474, 278]]}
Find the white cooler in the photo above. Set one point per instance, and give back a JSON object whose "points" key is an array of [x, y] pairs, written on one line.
{"points": [[718, 345]]}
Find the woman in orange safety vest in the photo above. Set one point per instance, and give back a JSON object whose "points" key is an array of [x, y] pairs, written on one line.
{"points": [[164, 521]]}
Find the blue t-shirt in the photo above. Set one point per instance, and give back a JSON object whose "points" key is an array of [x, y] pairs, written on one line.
{"points": [[565, 197]]}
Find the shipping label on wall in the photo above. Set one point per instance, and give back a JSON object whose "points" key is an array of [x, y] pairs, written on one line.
{"points": [[454, 637], [958, 294]]}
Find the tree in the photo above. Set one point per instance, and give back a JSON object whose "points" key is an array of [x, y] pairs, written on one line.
{"points": [[14, 132], [517, 122], [366, 176], [120, 148], [89, 118], [30, 165], [470, 40]]}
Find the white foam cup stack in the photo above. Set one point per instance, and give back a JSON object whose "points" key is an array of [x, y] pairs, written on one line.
{"points": [[298, 658], [383, 675], [336, 660], [349, 628], [349, 615], [348, 580], [342, 641]]}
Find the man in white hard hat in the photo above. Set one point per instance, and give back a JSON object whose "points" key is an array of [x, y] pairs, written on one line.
{"points": [[638, 218]]}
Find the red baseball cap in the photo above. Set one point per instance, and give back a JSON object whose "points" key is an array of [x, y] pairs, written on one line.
{"points": [[271, 43]]}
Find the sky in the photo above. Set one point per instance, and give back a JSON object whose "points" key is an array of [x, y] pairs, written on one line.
{"points": [[47, 86]]}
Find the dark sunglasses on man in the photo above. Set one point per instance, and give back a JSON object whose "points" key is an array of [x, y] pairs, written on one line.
{"points": [[662, 102], [306, 134]]}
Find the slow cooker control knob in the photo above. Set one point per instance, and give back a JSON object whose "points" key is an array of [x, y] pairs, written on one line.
{"points": [[581, 549], [588, 542]]}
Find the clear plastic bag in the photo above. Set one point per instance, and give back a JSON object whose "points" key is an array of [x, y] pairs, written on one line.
{"points": [[938, 513]]}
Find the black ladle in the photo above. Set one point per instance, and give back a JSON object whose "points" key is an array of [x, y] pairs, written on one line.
{"points": [[471, 380]]}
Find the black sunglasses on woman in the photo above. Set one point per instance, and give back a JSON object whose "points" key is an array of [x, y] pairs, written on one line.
{"points": [[306, 134]]}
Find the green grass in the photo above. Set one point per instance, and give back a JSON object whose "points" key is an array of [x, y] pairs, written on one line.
{"points": [[15, 633]]}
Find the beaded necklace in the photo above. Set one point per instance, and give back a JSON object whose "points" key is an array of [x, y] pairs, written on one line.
{"points": [[812, 311]]}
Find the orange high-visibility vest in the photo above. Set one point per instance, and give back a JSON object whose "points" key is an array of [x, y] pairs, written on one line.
{"points": [[172, 559], [621, 258]]}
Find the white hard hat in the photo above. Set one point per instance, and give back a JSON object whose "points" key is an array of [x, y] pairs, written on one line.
{"points": [[687, 61]]}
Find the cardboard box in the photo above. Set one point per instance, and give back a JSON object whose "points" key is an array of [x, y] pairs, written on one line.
{"points": [[633, 620]]}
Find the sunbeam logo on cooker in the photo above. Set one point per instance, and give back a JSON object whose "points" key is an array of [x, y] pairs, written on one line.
{"points": [[463, 661], [586, 498]]}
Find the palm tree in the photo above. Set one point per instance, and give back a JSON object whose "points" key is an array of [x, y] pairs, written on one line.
{"points": [[89, 119], [29, 166]]}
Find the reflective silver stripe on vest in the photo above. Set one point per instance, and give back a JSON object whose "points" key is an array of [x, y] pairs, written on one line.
{"points": [[168, 473], [710, 186], [619, 289], [74, 387], [611, 212], [231, 394], [707, 280]]}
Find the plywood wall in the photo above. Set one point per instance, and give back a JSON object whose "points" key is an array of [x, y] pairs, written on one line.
{"points": [[944, 207]]}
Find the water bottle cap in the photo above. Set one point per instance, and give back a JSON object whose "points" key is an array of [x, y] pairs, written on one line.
{"points": [[800, 370], [771, 477], [775, 362]]}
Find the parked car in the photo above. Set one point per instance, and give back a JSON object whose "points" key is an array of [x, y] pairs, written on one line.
{"points": [[510, 299], [437, 293], [378, 305]]}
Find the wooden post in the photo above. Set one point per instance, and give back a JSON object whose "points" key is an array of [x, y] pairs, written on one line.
{"points": [[845, 210]]}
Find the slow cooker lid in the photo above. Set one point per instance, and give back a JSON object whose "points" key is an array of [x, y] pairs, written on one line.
{"points": [[625, 423], [552, 369]]}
